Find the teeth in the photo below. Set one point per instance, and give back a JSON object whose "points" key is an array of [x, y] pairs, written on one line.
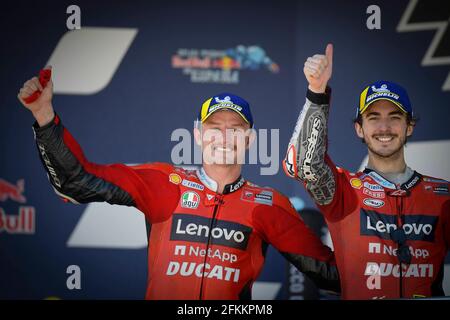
{"points": [[224, 149], [384, 139]]}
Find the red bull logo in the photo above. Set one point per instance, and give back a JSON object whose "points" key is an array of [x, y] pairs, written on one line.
{"points": [[11, 191], [22, 223], [221, 65]]}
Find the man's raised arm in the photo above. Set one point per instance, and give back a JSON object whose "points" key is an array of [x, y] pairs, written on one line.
{"points": [[306, 157], [77, 180]]}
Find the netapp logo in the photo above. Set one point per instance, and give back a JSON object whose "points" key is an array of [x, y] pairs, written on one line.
{"points": [[416, 227], [186, 227]]}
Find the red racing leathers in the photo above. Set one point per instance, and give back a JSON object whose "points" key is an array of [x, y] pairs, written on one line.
{"points": [[363, 211], [202, 244]]}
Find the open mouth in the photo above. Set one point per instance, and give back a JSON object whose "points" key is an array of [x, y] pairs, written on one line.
{"points": [[223, 149], [384, 139]]}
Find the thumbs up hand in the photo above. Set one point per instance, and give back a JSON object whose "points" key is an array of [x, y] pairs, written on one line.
{"points": [[318, 70]]}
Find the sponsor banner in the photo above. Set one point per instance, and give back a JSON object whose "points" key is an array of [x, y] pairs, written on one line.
{"points": [[434, 180], [221, 65], [174, 178], [374, 194], [441, 189], [12, 191], [22, 223], [197, 251], [380, 248], [408, 271], [192, 228], [263, 197], [25, 221], [373, 187], [381, 181], [375, 203], [200, 270], [416, 227], [190, 200], [234, 187], [193, 185], [356, 183]]}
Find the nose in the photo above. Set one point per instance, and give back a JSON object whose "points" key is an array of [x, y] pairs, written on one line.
{"points": [[228, 136], [384, 125], [225, 135], [219, 137]]}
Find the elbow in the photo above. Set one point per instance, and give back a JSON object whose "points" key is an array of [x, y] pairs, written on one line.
{"points": [[308, 173], [303, 171], [290, 162]]}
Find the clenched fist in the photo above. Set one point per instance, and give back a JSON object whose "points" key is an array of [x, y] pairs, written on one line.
{"points": [[318, 69], [41, 108]]}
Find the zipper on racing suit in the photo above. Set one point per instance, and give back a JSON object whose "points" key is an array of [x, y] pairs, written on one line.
{"points": [[401, 193], [218, 201], [399, 203]]}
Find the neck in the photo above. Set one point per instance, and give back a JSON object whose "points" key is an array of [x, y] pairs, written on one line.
{"points": [[222, 174], [393, 164]]}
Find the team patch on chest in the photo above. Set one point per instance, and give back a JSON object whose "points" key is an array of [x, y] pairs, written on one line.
{"points": [[257, 196]]}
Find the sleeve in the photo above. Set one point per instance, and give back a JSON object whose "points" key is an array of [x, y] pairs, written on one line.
{"points": [[77, 180], [282, 227], [345, 199], [305, 158]]}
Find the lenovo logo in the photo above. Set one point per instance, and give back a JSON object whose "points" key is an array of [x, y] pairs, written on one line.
{"points": [[416, 227], [192, 228]]}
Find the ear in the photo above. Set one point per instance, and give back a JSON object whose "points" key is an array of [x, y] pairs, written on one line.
{"points": [[359, 130], [197, 136], [410, 129]]}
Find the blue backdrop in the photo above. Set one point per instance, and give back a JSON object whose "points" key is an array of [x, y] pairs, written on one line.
{"points": [[123, 94]]}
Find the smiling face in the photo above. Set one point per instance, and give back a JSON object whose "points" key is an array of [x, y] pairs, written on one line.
{"points": [[384, 128], [223, 137]]}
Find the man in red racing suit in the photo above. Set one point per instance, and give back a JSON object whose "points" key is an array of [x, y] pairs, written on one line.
{"points": [[389, 224], [206, 241]]}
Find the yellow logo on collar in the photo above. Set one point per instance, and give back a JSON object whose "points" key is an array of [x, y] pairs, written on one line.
{"points": [[356, 183], [174, 178]]}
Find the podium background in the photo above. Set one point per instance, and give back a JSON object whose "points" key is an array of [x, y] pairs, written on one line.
{"points": [[120, 91]]}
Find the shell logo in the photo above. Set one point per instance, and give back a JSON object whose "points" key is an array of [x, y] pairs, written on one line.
{"points": [[175, 178], [356, 183]]}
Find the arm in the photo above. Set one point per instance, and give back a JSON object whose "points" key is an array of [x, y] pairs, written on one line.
{"points": [[281, 226], [77, 180], [305, 158]]}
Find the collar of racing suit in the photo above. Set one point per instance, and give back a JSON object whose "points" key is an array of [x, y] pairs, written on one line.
{"points": [[213, 186], [397, 178], [407, 185]]}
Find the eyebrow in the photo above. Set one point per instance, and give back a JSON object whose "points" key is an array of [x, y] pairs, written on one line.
{"points": [[212, 122], [233, 124], [374, 113]]}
